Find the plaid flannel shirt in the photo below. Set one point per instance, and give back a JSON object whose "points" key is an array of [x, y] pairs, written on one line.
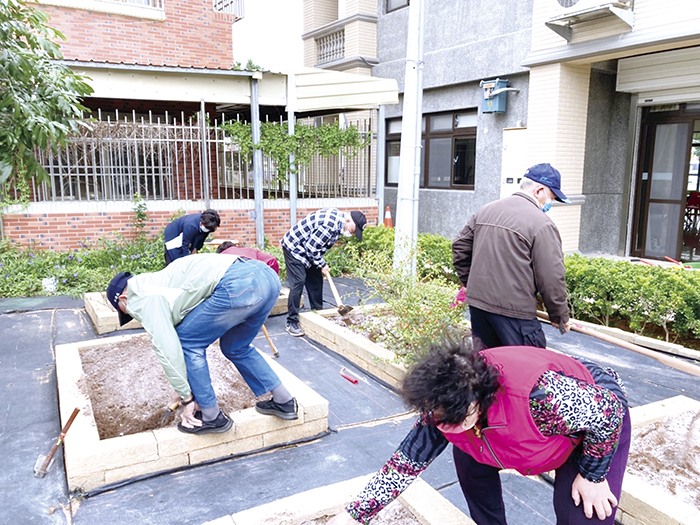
{"points": [[314, 235]]}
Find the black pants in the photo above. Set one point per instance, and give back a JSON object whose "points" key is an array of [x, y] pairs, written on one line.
{"points": [[481, 486], [299, 276], [493, 330]]}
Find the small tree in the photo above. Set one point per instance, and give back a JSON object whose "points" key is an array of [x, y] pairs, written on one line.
{"points": [[39, 98]]}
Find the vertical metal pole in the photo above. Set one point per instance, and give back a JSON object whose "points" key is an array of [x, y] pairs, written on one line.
{"points": [[205, 152], [257, 163], [381, 161], [293, 178], [409, 160]]}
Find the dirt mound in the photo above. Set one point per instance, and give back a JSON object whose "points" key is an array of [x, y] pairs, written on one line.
{"points": [[130, 393]]}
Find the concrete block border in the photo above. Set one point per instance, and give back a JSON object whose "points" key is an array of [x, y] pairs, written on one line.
{"points": [[642, 503], [642, 340], [369, 356], [427, 505], [92, 463], [104, 317]]}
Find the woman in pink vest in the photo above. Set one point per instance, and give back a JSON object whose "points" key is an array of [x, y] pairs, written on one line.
{"points": [[513, 407]]}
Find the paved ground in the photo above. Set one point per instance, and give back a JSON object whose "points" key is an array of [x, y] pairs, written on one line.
{"points": [[30, 328]]}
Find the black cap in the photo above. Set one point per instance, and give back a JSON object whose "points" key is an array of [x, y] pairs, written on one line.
{"points": [[360, 222], [114, 290]]}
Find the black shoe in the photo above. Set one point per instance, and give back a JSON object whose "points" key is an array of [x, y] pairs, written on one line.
{"points": [[221, 424], [287, 410], [294, 329]]}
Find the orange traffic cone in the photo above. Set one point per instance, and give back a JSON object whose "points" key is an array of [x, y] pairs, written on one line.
{"points": [[388, 221]]}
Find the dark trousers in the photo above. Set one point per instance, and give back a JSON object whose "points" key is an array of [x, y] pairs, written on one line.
{"points": [[493, 330], [481, 486], [298, 277]]}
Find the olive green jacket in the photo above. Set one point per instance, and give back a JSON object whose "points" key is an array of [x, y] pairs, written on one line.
{"points": [[161, 300]]}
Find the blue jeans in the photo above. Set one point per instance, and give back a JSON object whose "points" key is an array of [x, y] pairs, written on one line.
{"points": [[234, 314]]}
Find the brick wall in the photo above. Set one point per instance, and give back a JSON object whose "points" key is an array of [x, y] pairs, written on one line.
{"points": [[63, 232], [191, 35]]}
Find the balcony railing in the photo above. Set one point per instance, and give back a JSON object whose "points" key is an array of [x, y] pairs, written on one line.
{"points": [[331, 47], [230, 7]]}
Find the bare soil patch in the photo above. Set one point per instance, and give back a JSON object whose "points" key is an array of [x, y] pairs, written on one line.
{"points": [[394, 514], [130, 393], [666, 454]]}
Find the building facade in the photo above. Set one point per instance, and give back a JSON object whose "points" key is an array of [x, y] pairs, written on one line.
{"points": [[606, 91], [165, 78]]}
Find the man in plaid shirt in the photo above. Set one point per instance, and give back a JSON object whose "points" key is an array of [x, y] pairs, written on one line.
{"points": [[304, 247]]}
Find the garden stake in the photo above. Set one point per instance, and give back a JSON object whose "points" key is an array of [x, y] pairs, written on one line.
{"points": [[343, 309], [275, 353], [44, 462]]}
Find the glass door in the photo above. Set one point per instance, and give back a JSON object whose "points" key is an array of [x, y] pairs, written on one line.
{"points": [[667, 188], [690, 249]]}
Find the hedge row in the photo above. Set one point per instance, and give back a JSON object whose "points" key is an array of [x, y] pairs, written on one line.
{"points": [[647, 299]]}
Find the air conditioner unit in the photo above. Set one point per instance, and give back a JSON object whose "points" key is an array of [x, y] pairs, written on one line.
{"points": [[567, 13]]}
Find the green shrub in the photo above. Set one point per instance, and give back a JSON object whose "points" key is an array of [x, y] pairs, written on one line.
{"points": [[645, 298], [26, 272], [419, 312], [435, 258]]}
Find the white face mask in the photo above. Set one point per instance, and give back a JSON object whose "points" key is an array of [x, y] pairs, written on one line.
{"points": [[347, 233], [202, 228]]}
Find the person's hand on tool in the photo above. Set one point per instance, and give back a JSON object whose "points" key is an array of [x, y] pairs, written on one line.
{"points": [[565, 327], [342, 519], [187, 415], [460, 298], [174, 398], [595, 496], [326, 271]]}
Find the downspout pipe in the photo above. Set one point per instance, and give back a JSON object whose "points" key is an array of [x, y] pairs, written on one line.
{"points": [[381, 161], [257, 161], [293, 175]]}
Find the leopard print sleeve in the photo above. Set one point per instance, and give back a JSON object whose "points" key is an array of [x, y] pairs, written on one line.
{"points": [[418, 449], [565, 406]]}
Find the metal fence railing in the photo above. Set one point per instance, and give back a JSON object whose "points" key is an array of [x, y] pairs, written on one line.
{"points": [[165, 157]]}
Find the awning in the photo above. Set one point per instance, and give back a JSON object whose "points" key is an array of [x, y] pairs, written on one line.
{"points": [[316, 89], [320, 89]]}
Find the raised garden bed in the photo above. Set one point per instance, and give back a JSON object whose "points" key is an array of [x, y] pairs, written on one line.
{"points": [[647, 503], [92, 462], [422, 504], [369, 356], [104, 317]]}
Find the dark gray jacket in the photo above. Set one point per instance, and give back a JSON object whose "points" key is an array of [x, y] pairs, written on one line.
{"points": [[508, 252]]}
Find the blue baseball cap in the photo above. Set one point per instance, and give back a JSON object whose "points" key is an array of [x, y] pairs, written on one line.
{"points": [[549, 176], [114, 290]]}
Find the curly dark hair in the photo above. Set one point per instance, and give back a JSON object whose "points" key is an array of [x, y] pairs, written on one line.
{"points": [[448, 380], [210, 220]]}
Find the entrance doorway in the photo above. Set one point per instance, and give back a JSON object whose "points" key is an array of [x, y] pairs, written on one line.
{"points": [[667, 204]]}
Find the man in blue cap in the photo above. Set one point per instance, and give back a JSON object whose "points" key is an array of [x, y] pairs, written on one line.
{"points": [[509, 253]]}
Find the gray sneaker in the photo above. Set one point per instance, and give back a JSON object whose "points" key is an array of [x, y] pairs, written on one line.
{"points": [[294, 329]]}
